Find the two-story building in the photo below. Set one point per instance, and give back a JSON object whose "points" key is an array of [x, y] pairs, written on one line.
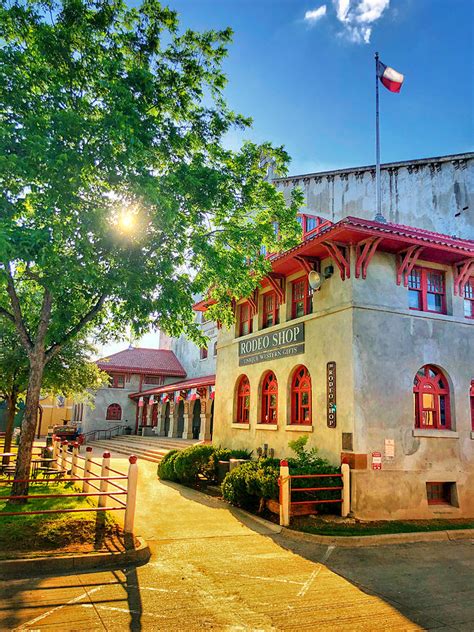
{"points": [[374, 364]]}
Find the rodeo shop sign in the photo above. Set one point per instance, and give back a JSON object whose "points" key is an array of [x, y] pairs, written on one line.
{"points": [[271, 346]]}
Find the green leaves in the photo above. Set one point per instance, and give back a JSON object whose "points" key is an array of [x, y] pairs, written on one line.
{"points": [[104, 106]]}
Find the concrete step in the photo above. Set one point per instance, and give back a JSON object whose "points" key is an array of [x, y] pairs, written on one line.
{"points": [[155, 457], [147, 448], [154, 441]]}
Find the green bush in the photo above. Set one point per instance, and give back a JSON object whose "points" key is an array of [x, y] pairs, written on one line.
{"points": [[166, 466], [194, 461], [247, 484]]}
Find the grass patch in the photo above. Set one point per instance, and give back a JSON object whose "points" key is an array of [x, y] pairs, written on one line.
{"points": [[320, 527], [63, 533]]}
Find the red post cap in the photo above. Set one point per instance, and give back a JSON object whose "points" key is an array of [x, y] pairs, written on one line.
{"points": [[64, 442], [75, 444], [132, 459], [89, 448], [106, 455], [283, 463]]}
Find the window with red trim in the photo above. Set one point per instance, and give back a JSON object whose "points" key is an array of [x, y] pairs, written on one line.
{"points": [[154, 379], [301, 397], [245, 319], [301, 298], [471, 397], [427, 290], [269, 399], [203, 353], [114, 412], [469, 298], [271, 310], [243, 400], [432, 405], [117, 381]]}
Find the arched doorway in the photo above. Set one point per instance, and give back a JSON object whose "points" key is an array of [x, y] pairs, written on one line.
{"points": [[180, 429], [166, 425], [197, 419]]}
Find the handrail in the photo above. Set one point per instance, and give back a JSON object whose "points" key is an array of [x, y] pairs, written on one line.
{"points": [[94, 435]]}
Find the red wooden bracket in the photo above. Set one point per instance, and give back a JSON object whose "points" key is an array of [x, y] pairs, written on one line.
{"points": [[365, 250], [341, 257], [308, 264], [462, 272], [279, 289], [406, 260], [252, 299]]}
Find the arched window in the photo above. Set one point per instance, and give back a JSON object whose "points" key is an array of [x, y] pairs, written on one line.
{"points": [[114, 412], [432, 407], [301, 396], [243, 400], [269, 399]]}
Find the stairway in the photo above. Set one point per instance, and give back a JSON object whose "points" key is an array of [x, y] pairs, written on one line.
{"points": [[146, 448]]}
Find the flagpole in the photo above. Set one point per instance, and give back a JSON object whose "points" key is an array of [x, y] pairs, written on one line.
{"points": [[378, 190]]}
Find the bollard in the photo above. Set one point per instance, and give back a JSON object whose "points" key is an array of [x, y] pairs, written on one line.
{"points": [[346, 490], [104, 483], [131, 494], [63, 456], [285, 492], [75, 456], [87, 470]]}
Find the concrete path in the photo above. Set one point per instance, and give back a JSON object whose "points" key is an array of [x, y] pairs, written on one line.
{"points": [[210, 569]]}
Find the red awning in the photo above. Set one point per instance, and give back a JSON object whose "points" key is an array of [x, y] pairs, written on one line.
{"points": [[183, 385]]}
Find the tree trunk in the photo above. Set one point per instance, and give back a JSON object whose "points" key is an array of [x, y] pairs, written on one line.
{"points": [[12, 400], [28, 427]]}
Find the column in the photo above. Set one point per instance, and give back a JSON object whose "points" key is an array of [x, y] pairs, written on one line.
{"points": [[188, 421], [173, 432], [160, 427], [205, 434]]}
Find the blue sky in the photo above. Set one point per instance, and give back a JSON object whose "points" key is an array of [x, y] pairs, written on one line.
{"points": [[309, 83]]}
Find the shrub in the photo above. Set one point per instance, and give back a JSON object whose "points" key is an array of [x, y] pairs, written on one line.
{"points": [[194, 461], [251, 482], [166, 466]]}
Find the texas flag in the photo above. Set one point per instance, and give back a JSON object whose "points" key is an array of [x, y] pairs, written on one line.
{"points": [[390, 78]]}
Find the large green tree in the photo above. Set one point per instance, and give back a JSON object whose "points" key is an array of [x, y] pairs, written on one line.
{"points": [[119, 201], [70, 373]]}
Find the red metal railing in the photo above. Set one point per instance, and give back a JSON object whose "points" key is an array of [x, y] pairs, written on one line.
{"points": [[314, 501], [66, 465]]}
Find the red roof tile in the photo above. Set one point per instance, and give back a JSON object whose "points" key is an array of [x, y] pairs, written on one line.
{"points": [[183, 385], [143, 361]]}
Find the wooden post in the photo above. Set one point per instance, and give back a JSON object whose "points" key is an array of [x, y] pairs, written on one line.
{"points": [[75, 456], [284, 494], [63, 461], [346, 490], [131, 494], [104, 483], [56, 444], [87, 469]]}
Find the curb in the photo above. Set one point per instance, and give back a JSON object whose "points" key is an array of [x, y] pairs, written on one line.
{"points": [[67, 563], [352, 541]]}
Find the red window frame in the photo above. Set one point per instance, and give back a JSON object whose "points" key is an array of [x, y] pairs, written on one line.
{"points": [[245, 319], [203, 353], [118, 380], [114, 412], [471, 398], [469, 298], [301, 295], [301, 409], [271, 310], [269, 399], [243, 400], [153, 379], [432, 401], [422, 286]]}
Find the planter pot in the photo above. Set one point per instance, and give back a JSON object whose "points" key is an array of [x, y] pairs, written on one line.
{"points": [[296, 510], [236, 462], [222, 469]]}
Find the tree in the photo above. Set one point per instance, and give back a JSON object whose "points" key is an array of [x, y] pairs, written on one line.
{"points": [[119, 201], [71, 372]]}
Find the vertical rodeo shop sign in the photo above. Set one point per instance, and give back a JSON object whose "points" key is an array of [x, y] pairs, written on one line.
{"points": [[331, 394], [279, 344]]}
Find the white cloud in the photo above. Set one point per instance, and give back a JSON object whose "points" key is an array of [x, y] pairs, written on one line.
{"points": [[356, 15], [315, 14]]}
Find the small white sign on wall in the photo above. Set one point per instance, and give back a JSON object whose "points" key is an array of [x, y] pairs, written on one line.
{"points": [[389, 448]]}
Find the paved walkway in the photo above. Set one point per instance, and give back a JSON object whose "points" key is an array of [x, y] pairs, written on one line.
{"points": [[210, 569]]}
